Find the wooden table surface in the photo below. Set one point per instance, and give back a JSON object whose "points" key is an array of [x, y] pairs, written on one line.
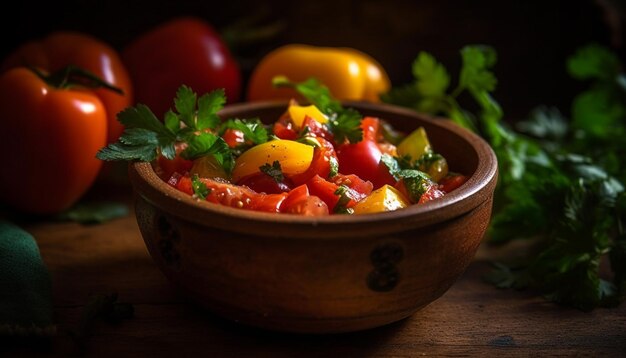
{"points": [[472, 318]]}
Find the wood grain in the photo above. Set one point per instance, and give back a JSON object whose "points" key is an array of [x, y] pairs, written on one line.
{"points": [[472, 318]]}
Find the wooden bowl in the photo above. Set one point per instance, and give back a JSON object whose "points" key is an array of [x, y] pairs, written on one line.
{"points": [[330, 274]]}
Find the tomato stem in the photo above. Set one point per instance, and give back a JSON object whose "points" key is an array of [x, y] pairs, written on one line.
{"points": [[71, 76]]}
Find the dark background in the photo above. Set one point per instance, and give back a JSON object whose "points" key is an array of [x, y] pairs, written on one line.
{"points": [[533, 38]]}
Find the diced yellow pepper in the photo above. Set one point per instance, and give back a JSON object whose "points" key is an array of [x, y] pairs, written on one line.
{"points": [[415, 144], [208, 167], [437, 169], [294, 158], [298, 113], [386, 198]]}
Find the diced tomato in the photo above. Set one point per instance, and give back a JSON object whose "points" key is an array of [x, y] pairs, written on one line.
{"points": [[326, 190], [370, 127], [166, 167], [233, 137], [174, 179], [430, 194], [299, 201], [451, 182], [283, 129], [316, 129], [268, 202], [355, 183], [234, 196], [320, 165], [263, 183]]}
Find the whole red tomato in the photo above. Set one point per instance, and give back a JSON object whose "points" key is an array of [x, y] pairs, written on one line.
{"points": [[49, 140], [363, 158], [61, 49], [183, 51]]}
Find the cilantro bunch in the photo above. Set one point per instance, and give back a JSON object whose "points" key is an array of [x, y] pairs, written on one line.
{"points": [[561, 182]]}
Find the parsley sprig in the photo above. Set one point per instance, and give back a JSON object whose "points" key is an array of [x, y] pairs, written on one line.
{"points": [[415, 181], [561, 182], [254, 132], [274, 171], [200, 189], [344, 123], [192, 122]]}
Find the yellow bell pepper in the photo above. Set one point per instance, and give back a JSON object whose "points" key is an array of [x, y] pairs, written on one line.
{"points": [[208, 167], [348, 73], [436, 169], [294, 158], [415, 144], [385, 198], [298, 113]]}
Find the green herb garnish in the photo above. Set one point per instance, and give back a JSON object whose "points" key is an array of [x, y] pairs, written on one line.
{"points": [[561, 185], [200, 190], [344, 123], [344, 198], [145, 136], [415, 181], [253, 130], [274, 171], [334, 167]]}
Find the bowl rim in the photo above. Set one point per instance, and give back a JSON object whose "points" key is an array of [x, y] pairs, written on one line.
{"points": [[478, 189]]}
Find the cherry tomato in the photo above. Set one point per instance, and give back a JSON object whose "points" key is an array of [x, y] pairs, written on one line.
{"points": [[363, 160]]}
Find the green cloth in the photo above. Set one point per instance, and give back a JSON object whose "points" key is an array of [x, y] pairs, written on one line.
{"points": [[25, 287]]}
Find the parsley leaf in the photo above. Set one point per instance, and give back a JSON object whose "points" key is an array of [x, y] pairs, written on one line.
{"points": [[346, 126], [334, 166], [562, 183], [185, 103], [208, 106], [200, 190], [344, 198], [314, 91], [274, 171], [344, 123], [475, 74], [415, 181], [433, 77], [145, 136], [253, 130], [593, 62]]}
